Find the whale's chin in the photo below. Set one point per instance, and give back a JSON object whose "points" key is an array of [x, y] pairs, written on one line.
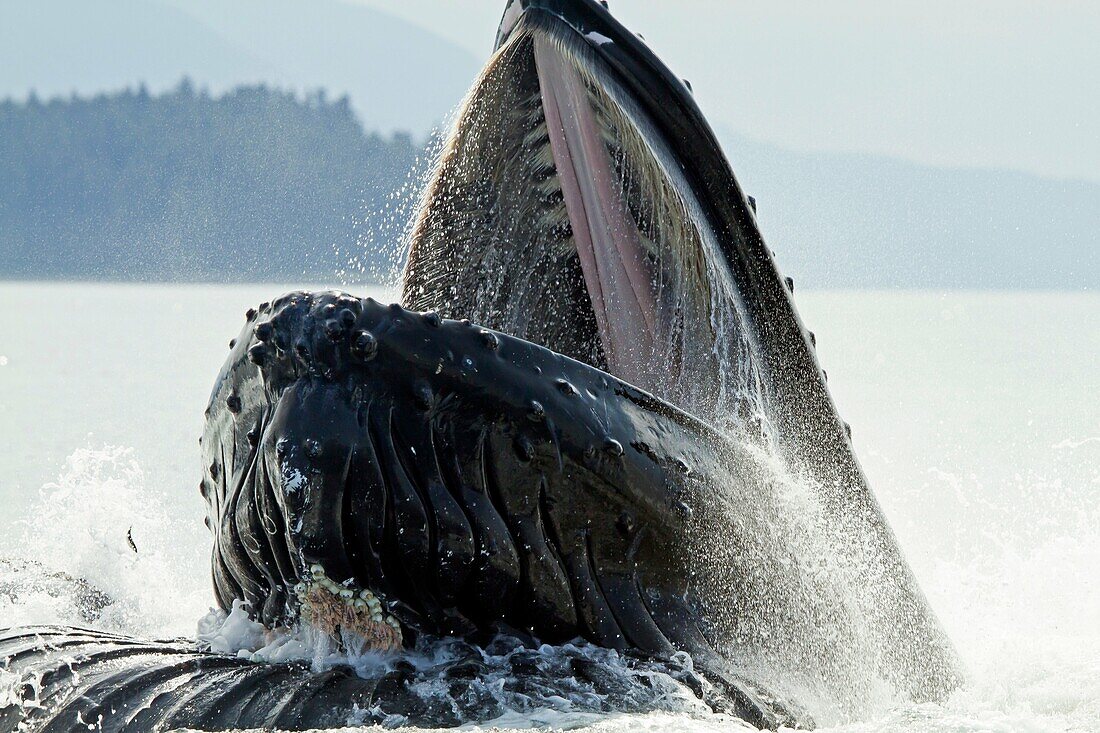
{"points": [[346, 612]]}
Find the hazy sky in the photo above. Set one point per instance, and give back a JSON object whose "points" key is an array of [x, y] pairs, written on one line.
{"points": [[1004, 83]]}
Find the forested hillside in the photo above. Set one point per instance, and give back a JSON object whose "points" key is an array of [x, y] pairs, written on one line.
{"points": [[857, 221], [255, 184], [261, 184]]}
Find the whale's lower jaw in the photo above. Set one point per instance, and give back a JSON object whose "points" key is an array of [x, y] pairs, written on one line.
{"points": [[388, 474]]}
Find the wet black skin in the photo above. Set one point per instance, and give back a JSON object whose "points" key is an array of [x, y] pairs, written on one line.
{"points": [[469, 478]]}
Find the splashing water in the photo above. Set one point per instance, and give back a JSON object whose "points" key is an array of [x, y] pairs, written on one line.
{"points": [[572, 684], [100, 527], [382, 240]]}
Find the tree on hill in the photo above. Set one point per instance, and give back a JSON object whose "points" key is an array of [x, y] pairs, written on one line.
{"points": [[255, 184]]}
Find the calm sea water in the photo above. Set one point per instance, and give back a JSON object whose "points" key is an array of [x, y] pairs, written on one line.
{"points": [[976, 417]]}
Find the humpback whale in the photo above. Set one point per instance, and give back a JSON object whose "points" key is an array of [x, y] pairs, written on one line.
{"points": [[596, 425]]}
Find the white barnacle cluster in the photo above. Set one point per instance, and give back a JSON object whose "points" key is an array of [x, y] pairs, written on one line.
{"points": [[339, 609]]}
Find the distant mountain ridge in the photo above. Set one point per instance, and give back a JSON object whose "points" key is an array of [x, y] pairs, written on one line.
{"points": [[256, 184], [57, 47], [858, 221], [260, 184]]}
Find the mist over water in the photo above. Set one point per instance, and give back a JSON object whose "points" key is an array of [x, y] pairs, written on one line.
{"points": [[973, 415], [974, 418]]}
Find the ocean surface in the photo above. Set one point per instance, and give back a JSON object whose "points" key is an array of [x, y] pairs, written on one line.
{"points": [[975, 415]]}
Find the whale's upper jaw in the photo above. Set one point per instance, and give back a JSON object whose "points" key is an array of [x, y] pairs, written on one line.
{"points": [[583, 202]]}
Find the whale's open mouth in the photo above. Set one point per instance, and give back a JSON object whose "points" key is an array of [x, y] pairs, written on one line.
{"points": [[573, 207]]}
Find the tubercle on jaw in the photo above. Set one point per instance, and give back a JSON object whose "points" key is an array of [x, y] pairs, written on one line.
{"points": [[336, 336]]}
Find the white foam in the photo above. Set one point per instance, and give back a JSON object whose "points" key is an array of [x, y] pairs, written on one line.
{"points": [[237, 634]]}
